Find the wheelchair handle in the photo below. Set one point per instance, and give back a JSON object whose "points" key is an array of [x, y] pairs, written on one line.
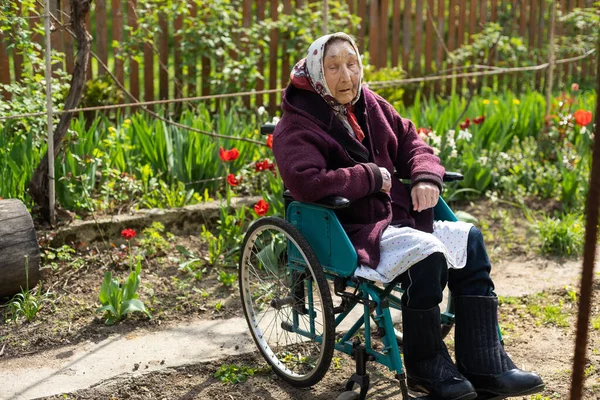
{"points": [[267, 129]]}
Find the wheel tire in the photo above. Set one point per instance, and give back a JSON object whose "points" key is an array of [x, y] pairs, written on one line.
{"points": [[348, 395], [272, 266]]}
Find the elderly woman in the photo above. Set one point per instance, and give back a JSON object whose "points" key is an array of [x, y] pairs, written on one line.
{"points": [[339, 138]]}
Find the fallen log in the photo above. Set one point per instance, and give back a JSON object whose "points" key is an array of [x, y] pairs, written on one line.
{"points": [[18, 248]]}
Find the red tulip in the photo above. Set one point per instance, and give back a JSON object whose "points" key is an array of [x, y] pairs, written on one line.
{"points": [[479, 120], [261, 207], [582, 117], [270, 141], [465, 124], [264, 165], [128, 234], [229, 155], [231, 179]]}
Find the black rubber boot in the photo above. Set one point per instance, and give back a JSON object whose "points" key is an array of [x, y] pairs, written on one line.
{"points": [[429, 367], [480, 356]]}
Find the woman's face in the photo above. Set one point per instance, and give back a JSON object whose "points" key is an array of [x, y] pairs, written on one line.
{"points": [[342, 71]]}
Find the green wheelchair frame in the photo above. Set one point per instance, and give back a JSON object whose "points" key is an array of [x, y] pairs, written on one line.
{"points": [[339, 261]]}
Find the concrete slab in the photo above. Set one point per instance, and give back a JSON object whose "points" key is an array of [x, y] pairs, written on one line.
{"points": [[89, 364]]}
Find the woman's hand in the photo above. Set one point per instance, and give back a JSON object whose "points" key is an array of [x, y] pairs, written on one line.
{"points": [[424, 195], [387, 180]]}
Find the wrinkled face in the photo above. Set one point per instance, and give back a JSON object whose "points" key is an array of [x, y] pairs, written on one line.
{"points": [[342, 71]]}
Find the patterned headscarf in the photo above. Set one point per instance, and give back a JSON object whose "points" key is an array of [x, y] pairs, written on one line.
{"points": [[308, 74]]}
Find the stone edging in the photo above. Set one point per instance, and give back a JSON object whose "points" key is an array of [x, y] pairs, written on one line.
{"points": [[185, 220]]}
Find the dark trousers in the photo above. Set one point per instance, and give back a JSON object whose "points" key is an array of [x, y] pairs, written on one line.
{"points": [[424, 282]]}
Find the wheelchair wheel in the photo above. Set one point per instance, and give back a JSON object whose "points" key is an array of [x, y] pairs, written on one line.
{"points": [[286, 301]]}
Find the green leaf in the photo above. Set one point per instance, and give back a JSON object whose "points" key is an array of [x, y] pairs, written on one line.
{"points": [[133, 305]]}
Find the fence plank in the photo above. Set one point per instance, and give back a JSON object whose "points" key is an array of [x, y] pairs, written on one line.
{"points": [[192, 67], [586, 63], [540, 76], [178, 59], [482, 15], [480, 27], [68, 39], [101, 34], [163, 56], [260, 82], [562, 71], [472, 19], [148, 73], [384, 27], [533, 11], [88, 25], [395, 32], [134, 68], [418, 49], [374, 33], [117, 36], [285, 57], [4, 65], [452, 19], [17, 56], [362, 30], [494, 16], [273, 58], [439, 58], [460, 39], [429, 41], [246, 23], [56, 36]]}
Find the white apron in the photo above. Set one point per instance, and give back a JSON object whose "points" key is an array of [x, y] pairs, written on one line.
{"points": [[403, 247]]}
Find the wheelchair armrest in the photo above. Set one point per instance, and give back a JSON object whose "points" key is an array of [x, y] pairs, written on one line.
{"points": [[332, 202], [448, 177], [453, 176], [267, 128]]}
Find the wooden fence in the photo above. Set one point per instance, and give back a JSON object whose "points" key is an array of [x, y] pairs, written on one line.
{"points": [[403, 33]]}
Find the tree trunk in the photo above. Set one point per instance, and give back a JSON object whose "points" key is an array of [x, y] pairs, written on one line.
{"points": [[38, 186], [17, 240]]}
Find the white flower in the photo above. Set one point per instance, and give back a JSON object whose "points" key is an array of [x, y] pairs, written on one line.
{"points": [[583, 130], [261, 110], [504, 156], [453, 153], [451, 132], [483, 160], [275, 120], [451, 142], [464, 134], [436, 151]]}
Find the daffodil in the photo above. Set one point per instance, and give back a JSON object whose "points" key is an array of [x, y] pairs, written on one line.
{"points": [[486, 102], [496, 101], [516, 101]]}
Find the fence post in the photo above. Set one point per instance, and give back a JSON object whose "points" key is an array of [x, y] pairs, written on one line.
{"points": [[49, 111], [550, 61], [589, 254]]}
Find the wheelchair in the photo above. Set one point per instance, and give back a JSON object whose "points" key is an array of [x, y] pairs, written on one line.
{"points": [[288, 270]]}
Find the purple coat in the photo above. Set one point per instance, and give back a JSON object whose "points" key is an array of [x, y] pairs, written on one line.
{"points": [[318, 158]]}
